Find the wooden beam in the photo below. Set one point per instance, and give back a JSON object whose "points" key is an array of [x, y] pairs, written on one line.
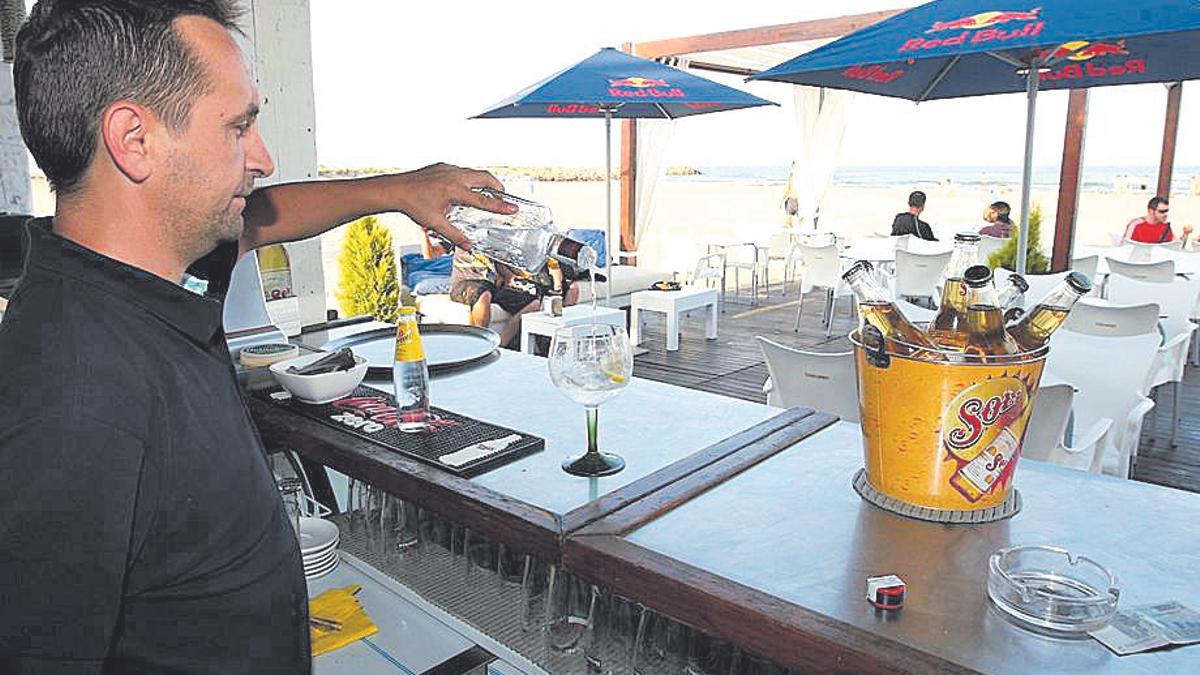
{"points": [[800, 31], [628, 209], [1069, 181], [1166, 165]]}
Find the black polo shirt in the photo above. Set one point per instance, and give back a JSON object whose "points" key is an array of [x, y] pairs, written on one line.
{"points": [[140, 527]]}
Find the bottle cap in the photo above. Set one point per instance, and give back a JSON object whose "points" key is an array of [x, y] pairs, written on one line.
{"points": [[978, 276], [1080, 282], [1018, 281], [859, 267], [967, 237]]}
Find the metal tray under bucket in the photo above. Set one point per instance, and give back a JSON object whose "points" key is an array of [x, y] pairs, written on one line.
{"points": [[943, 437]]}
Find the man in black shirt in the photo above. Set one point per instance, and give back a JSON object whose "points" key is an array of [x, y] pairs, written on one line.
{"points": [[909, 222], [140, 525]]}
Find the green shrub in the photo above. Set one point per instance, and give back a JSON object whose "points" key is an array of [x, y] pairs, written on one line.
{"points": [[367, 281], [1035, 261]]}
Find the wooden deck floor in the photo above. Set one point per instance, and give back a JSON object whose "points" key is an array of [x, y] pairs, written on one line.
{"points": [[732, 365]]}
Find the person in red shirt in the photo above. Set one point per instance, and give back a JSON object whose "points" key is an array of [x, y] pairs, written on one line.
{"points": [[1154, 228]]}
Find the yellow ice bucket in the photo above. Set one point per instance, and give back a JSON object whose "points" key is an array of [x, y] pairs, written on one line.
{"points": [[943, 435]]}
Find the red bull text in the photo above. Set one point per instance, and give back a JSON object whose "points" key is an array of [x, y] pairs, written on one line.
{"points": [[876, 73], [643, 87], [979, 28]]}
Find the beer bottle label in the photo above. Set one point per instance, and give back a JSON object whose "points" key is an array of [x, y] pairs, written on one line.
{"points": [[981, 432], [408, 342]]}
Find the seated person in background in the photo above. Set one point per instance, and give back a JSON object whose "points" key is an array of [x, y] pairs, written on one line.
{"points": [[999, 225], [1153, 228], [909, 222]]}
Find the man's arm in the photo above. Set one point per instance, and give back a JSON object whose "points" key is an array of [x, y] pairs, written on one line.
{"points": [[294, 211]]}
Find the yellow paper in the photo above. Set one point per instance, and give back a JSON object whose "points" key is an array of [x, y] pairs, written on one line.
{"points": [[339, 604]]}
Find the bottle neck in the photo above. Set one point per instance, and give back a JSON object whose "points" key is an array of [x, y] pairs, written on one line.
{"points": [[866, 288], [573, 252], [1063, 297], [965, 255]]}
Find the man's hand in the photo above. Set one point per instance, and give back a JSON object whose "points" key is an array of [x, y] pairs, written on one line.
{"points": [[426, 194]]}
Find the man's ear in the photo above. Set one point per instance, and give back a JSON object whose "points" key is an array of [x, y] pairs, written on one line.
{"points": [[125, 130]]}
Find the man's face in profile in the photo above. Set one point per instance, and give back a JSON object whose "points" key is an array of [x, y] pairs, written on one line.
{"points": [[214, 161]]}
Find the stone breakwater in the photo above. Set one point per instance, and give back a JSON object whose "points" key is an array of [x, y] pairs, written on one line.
{"points": [[539, 173]]}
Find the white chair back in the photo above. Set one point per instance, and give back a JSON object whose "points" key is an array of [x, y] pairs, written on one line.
{"points": [[1109, 374], [1087, 265], [822, 266], [917, 273], [1162, 271], [1176, 300], [1048, 421], [711, 266], [989, 245], [821, 381], [1113, 320]]}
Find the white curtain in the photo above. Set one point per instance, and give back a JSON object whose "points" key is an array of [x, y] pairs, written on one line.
{"points": [[821, 124], [653, 137]]}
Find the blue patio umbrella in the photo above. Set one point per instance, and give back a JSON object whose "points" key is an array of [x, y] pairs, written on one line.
{"points": [[612, 84], [956, 48]]}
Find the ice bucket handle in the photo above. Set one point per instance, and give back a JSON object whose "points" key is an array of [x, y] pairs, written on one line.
{"points": [[875, 346]]}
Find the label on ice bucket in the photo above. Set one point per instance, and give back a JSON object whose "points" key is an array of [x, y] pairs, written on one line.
{"points": [[976, 433]]}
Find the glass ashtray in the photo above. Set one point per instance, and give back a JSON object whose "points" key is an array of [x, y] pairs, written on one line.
{"points": [[1051, 590]]}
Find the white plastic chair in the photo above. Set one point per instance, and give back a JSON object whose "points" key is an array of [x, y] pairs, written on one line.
{"points": [[747, 256], [1046, 433], [989, 245], [917, 274], [914, 312], [821, 381], [1110, 375], [822, 268], [1088, 265], [1162, 272], [1176, 302], [710, 269], [1114, 320], [781, 247]]}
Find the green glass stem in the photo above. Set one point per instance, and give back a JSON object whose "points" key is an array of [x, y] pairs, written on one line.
{"points": [[593, 423]]}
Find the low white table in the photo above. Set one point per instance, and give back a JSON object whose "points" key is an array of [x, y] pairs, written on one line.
{"points": [[540, 323], [673, 304]]}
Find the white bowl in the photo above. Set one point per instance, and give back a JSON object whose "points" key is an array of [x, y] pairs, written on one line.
{"points": [[321, 388]]}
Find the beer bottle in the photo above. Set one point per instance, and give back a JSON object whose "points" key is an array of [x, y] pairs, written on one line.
{"points": [[1013, 295], [1033, 330], [875, 307], [948, 324], [984, 333]]}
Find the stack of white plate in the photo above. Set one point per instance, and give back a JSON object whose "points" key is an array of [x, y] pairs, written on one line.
{"points": [[318, 546]]}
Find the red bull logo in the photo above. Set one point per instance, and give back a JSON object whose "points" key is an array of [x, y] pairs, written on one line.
{"points": [[876, 73], [980, 28], [1079, 55], [643, 87], [1082, 50], [985, 20]]}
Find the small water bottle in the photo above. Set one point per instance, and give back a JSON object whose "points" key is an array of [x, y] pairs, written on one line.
{"points": [[524, 240], [410, 374]]}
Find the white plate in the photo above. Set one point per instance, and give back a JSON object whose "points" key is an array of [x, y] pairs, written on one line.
{"points": [[318, 561], [318, 552], [324, 554], [320, 572], [317, 534]]}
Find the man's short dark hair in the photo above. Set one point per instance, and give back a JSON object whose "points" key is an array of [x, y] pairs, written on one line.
{"points": [[74, 58], [916, 199], [1156, 201]]}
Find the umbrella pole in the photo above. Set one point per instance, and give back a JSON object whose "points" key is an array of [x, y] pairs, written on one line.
{"points": [[1031, 90], [608, 208]]}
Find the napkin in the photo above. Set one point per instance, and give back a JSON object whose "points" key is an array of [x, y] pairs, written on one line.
{"points": [[339, 604]]}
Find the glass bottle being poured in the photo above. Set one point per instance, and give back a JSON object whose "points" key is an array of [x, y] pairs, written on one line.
{"points": [[524, 240]]}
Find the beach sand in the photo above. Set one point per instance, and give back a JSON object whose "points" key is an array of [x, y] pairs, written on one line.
{"points": [[692, 213]]}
